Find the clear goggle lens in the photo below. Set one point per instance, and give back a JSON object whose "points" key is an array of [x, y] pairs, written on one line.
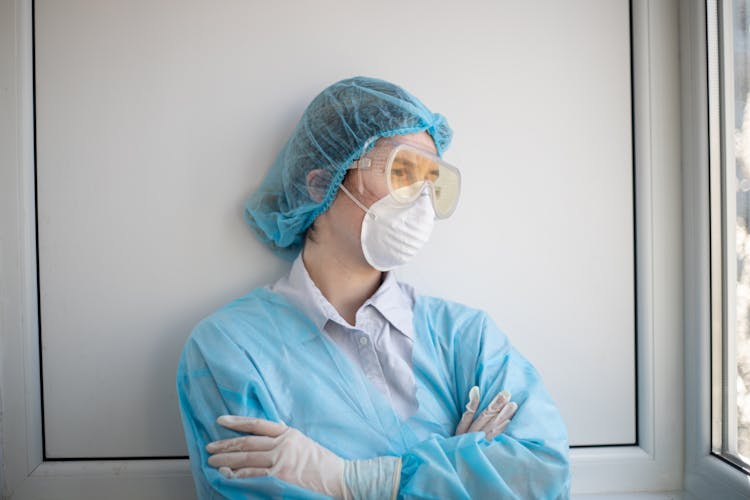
{"points": [[408, 169]]}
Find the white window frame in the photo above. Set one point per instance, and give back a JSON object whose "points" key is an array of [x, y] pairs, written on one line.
{"points": [[654, 465], [706, 475]]}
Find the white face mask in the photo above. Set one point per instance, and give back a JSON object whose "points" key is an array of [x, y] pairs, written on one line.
{"points": [[393, 234]]}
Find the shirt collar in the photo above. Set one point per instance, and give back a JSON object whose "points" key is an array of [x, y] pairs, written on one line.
{"points": [[392, 301], [396, 306]]}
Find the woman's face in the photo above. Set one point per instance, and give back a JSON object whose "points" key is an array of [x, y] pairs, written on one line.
{"points": [[345, 217]]}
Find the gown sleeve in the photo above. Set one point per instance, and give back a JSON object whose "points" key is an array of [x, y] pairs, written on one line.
{"points": [[528, 460], [216, 377]]}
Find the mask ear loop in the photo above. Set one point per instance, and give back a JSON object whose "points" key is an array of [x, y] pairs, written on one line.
{"points": [[357, 202]]}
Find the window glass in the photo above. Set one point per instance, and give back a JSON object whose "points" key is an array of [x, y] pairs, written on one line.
{"points": [[729, 60]]}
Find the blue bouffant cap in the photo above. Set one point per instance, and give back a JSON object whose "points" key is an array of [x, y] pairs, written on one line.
{"points": [[338, 126]]}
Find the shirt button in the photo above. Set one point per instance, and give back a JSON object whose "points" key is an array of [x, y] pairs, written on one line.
{"points": [[363, 341]]}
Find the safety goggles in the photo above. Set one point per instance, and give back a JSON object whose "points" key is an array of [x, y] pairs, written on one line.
{"points": [[408, 170]]}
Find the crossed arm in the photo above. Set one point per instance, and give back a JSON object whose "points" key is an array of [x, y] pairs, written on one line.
{"points": [[274, 449]]}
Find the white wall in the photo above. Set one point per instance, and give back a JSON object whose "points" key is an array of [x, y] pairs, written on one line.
{"points": [[155, 121]]}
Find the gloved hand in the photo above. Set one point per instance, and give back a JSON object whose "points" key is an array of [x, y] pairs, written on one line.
{"points": [[493, 420], [275, 449]]}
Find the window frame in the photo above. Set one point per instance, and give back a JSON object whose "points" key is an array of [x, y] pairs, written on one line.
{"points": [[653, 465], [706, 474]]}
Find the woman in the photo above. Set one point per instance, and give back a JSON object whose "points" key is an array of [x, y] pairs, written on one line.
{"points": [[338, 380]]}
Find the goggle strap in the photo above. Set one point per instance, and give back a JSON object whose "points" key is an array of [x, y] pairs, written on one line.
{"points": [[360, 164], [363, 163]]}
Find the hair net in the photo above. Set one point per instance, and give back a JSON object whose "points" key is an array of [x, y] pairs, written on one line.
{"points": [[340, 124]]}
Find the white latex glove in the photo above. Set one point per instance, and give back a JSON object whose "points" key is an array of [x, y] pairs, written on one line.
{"points": [[275, 449], [493, 420]]}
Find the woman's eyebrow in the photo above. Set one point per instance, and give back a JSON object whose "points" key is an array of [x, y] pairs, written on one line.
{"points": [[405, 161]]}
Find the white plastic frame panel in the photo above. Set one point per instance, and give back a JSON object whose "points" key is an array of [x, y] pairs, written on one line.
{"points": [[706, 475]]}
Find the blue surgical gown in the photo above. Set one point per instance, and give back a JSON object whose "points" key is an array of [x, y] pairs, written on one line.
{"points": [[259, 356]]}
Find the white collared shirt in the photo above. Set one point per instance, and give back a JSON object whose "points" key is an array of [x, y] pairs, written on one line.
{"points": [[380, 342]]}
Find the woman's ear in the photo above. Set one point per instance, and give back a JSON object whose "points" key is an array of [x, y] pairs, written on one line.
{"points": [[318, 181]]}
